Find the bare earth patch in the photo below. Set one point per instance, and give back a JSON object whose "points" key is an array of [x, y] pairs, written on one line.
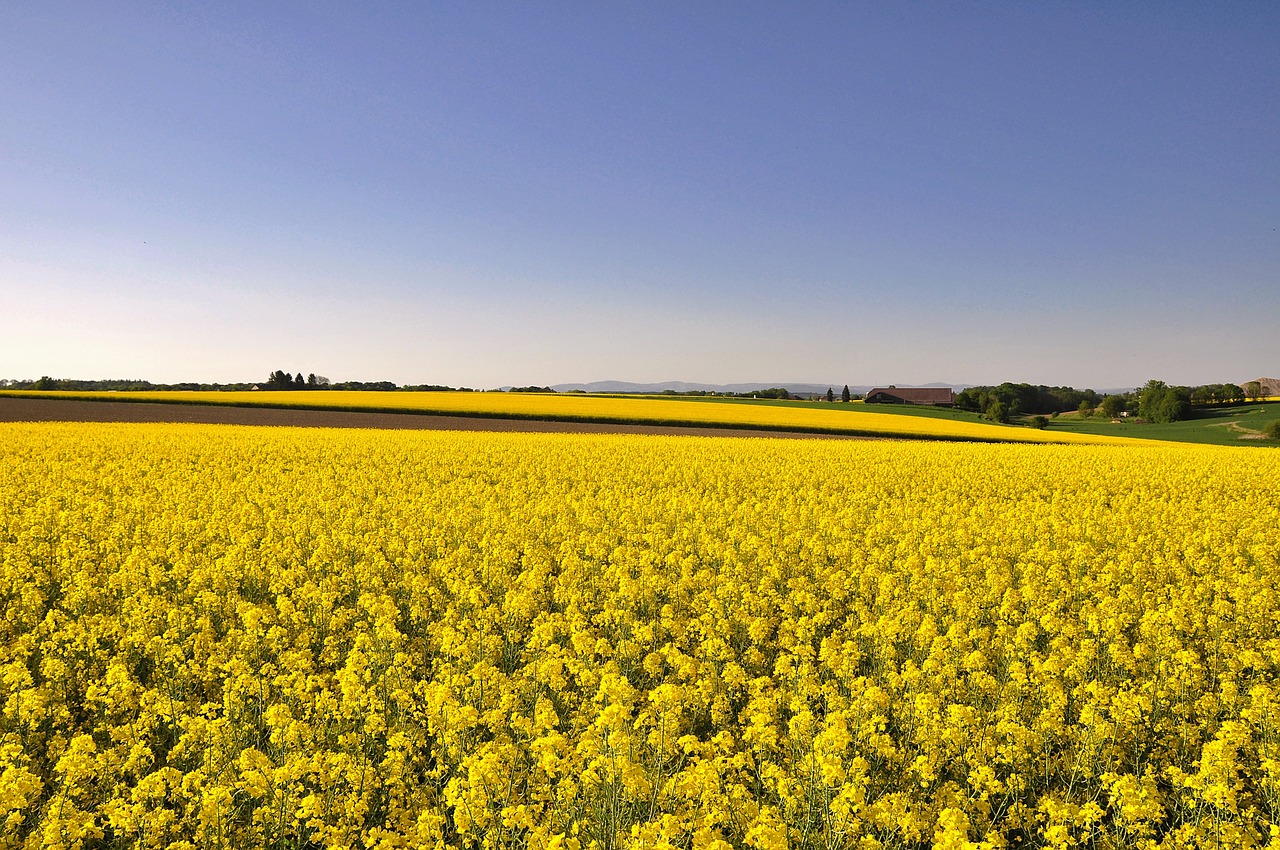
{"points": [[1244, 432], [72, 410]]}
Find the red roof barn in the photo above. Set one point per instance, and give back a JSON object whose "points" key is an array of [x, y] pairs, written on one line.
{"points": [[940, 396]]}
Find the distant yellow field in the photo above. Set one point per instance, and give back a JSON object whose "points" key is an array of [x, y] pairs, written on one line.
{"points": [[844, 419]]}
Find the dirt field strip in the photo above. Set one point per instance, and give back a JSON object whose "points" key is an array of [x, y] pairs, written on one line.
{"points": [[70, 410]]}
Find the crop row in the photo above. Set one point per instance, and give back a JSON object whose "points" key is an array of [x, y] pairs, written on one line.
{"points": [[833, 419]]}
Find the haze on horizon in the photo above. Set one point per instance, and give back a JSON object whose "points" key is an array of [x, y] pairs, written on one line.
{"points": [[492, 194]]}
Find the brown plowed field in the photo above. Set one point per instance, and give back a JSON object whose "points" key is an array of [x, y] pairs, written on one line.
{"points": [[70, 410]]}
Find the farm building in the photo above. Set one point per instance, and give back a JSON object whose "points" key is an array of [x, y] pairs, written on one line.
{"points": [[940, 396]]}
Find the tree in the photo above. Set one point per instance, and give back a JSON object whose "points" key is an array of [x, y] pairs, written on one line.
{"points": [[1272, 431], [844, 393], [997, 412], [1085, 410], [830, 395], [1217, 394], [1112, 406], [1025, 398], [299, 383], [280, 380], [772, 392], [1040, 422], [1253, 390], [1159, 402]]}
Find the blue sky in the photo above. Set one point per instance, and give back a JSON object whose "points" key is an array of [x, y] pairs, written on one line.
{"points": [[484, 194]]}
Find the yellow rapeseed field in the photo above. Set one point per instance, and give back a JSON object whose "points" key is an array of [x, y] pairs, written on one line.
{"points": [[837, 418], [223, 637]]}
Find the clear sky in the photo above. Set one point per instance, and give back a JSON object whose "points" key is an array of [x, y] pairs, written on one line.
{"points": [[480, 194]]}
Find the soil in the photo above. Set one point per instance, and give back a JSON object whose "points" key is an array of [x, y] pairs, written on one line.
{"points": [[72, 410]]}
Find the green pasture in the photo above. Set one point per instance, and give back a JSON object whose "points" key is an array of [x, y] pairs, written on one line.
{"points": [[1224, 425]]}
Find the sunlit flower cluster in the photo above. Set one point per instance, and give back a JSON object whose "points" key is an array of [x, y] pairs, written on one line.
{"points": [[234, 637]]}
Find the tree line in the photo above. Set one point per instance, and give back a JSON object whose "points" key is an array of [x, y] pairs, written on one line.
{"points": [[282, 380], [1008, 400], [278, 380], [1155, 401], [116, 385]]}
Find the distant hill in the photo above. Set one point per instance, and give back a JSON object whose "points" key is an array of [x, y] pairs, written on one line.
{"points": [[685, 387], [1270, 386]]}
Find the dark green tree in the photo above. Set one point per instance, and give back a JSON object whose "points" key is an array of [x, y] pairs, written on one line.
{"points": [[1112, 406], [831, 396], [1217, 394], [1159, 402], [1025, 399], [844, 393]]}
